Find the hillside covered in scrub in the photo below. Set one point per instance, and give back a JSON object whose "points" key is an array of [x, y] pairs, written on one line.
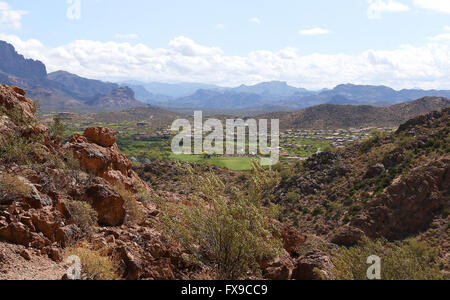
{"points": [[392, 186]]}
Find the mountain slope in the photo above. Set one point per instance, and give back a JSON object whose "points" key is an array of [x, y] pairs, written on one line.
{"points": [[328, 116], [394, 186], [60, 91], [14, 64], [118, 99], [81, 87]]}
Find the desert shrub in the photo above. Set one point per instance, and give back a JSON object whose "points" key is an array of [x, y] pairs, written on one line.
{"points": [[317, 211], [12, 187], [17, 149], [293, 197], [56, 129], [15, 114], [286, 174], [71, 162], [82, 214], [134, 213], [229, 234], [408, 260], [95, 265], [329, 148]]}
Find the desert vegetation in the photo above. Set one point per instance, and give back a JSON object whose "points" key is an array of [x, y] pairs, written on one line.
{"points": [[230, 234]]}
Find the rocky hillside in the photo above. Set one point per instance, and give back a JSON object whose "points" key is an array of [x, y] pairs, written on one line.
{"points": [[42, 190], [330, 116], [81, 87], [119, 99], [391, 186]]}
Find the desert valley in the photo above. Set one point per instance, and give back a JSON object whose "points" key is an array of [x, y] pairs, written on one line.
{"points": [[87, 170]]}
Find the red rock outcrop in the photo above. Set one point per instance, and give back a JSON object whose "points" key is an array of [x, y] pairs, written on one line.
{"points": [[13, 100], [99, 155], [104, 137], [313, 266]]}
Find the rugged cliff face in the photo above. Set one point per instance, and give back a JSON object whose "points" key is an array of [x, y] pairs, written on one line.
{"points": [[15, 64]]}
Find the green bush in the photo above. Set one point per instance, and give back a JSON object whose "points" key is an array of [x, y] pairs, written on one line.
{"points": [[57, 129], [227, 234], [94, 264], [293, 197], [17, 149], [408, 260], [134, 213], [12, 187], [82, 214]]}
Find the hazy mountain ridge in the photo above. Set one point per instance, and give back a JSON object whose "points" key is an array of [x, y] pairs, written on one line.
{"points": [[61, 91], [330, 116], [279, 95]]}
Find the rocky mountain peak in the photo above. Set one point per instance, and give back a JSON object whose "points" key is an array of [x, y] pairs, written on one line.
{"points": [[15, 64]]}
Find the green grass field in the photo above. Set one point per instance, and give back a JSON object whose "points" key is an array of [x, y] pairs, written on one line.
{"points": [[231, 163]]}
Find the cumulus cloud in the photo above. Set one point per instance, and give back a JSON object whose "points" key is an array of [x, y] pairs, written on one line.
{"points": [[184, 60], [377, 7], [442, 36], [256, 20], [442, 6], [129, 36], [314, 31], [9, 17]]}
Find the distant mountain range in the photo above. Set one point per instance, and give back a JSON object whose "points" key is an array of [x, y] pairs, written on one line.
{"points": [[63, 91], [279, 96], [331, 116]]}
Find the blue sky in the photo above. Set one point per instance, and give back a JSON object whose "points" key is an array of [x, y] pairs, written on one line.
{"points": [[314, 44]]}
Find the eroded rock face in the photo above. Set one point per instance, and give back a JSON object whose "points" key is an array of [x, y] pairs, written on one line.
{"points": [[313, 266], [101, 136], [13, 101], [99, 155], [108, 204], [279, 268], [12, 97], [293, 240], [408, 205], [347, 236]]}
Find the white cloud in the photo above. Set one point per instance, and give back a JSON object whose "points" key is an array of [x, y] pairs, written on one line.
{"points": [[9, 17], [220, 27], [377, 7], [255, 20], [184, 60], [130, 36], [442, 6], [314, 31], [442, 36]]}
